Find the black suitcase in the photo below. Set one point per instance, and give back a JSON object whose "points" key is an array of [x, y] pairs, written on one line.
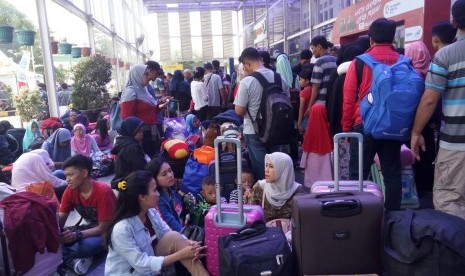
{"points": [[337, 232], [255, 250]]}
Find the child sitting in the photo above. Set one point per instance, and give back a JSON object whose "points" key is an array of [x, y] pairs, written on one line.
{"points": [[247, 183], [198, 207]]}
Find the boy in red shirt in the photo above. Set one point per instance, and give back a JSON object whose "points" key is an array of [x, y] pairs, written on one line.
{"points": [[95, 202], [305, 96]]}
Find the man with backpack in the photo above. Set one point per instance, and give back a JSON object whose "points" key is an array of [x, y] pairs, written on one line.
{"points": [[445, 80], [381, 33], [263, 134]]}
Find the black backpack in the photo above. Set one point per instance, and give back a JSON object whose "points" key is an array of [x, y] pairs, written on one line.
{"points": [[274, 124], [294, 93]]}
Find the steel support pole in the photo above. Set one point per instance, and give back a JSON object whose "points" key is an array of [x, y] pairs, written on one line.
{"points": [[49, 70]]}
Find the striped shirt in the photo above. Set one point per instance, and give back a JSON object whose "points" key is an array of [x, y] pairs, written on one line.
{"points": [[322, 70], [447, 76]]}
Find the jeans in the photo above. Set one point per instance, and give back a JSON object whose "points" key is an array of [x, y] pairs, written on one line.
{"points": [[389, 156], [85, 248], [257, 150]]}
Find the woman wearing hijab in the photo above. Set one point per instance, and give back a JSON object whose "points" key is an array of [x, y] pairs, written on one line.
{"points": [[283, 67], [420, 56], [424, 168], [83, 143], [58, 146], [193, 124], [130, 155], [276, 191], [136, 101], [82, 119], [32, 132], [317, 147], [34, 167], [181, 91]]}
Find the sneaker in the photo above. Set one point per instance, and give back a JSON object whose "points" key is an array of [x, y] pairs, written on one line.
{"points": [[80, 266]]}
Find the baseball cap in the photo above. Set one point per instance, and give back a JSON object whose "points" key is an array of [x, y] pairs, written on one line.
{"points": [[208, 65]]}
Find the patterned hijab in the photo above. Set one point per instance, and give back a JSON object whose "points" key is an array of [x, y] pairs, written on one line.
{"points": [[281, 190]]}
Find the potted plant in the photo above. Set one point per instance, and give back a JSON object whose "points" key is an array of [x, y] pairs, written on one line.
{"points": [[6, 28], [25, 37], [53, 45], [76, 52], [85, 51], [64, 47], [29, 104], [90, 94]]}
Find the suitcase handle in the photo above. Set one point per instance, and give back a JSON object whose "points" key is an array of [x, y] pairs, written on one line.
{"points": [[240, 203], [334, 194], [359, 137], [340, 208]]}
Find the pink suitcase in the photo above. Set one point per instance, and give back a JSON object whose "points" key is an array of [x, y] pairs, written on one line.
{"points": [[348, 185], [224, 219]]}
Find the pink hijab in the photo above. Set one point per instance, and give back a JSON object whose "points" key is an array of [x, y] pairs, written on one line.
{"points": [[81, 145], [420, 56]]}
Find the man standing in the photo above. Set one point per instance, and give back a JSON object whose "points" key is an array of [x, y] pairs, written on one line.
{"points": [[304, 62], [322, 70], [215, 91], [64, 95], [247, 104], [188, 76], [445, 80], [95, 202], [155, 75], [381, 34]]}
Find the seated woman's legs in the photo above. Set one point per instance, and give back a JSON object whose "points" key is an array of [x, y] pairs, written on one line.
{"points": [[173, 242]]}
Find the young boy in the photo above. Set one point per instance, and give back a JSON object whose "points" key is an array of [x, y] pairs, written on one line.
{"points": [[197, 207], [247, 183], [305, 95]]}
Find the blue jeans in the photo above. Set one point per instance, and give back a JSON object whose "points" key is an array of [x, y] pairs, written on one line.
{"points": [[257, 150], [389, 156], [85, 248]]}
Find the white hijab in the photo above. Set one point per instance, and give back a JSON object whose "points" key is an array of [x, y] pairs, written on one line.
{"points": [[277, 193]]}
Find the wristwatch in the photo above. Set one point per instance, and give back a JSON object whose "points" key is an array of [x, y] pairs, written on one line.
{"points": [[79, 235]]}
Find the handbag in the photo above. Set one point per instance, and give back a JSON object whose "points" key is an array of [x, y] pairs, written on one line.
{"points": [[193, 176], [194, 233]]}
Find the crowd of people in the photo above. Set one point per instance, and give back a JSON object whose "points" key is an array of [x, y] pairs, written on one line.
{"points": [[142, 228]]}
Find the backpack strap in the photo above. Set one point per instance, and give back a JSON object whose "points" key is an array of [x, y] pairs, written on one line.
{"points": [[368, 60], [265, 84], [359, 70]]}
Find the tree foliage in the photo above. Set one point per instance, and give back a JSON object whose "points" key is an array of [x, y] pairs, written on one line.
{"points": [[91, 75]]}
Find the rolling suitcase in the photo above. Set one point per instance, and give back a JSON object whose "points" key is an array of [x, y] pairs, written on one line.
{"points": [[224, 219], [348, 185], [343, 225]]}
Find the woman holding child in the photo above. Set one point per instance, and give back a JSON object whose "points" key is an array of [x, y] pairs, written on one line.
{"points": [[276, 191], [140, 242]]}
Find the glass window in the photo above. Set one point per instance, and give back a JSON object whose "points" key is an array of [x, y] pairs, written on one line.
{"points": [[173, 26], [239, 19], [194, 18], [330, 13], [197, 53], [326, 15], [175, 47], [217, 46], [216, 23]]}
